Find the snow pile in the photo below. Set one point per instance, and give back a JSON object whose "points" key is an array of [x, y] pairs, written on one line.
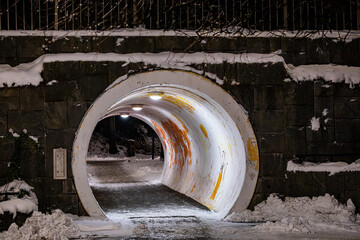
{"points": [[328, 72], [331, 167], [56, 226], [302, 214], [99, 148], [18, 203]]}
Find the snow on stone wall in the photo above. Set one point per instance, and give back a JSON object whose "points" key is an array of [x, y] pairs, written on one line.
{"points": [[30, 73]]}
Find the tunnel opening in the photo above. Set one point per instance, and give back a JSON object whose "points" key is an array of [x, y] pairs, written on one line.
{"points": [[210, 151]]}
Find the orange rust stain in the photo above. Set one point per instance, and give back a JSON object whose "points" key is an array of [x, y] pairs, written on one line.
{"points": [[204, 131], [180, 142], [212, 197], [253, 153], [193, 188], [180, 102]]}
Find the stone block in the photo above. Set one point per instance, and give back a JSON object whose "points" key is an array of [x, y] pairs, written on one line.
{"points": [[67, 203], [324, 109], [76, 111], [299, 115], [268, 121], [244, 94], [323, 89], [347, 107], [268, 98], [30, 47], [66, 45], [318, 51], [343, 148], [8, 47], [92, 86], [67, 71], [324, 135], [260, 74], [350, 53], [272, 165], [3, 125], [350, 181], [319, 183], [9, 92], [31, 99], [102, 44], [295, 141], [346, 129], [230, 72], [60, 91], [271, 185], [295, 58], [223, 44], [7, 149], [300, 184], [298, 93], [116, 70], [135, 44], [344, 90], [271, 142], [258, 45], [335, 185], [13, 103], [49, 72], [69, 186], [55, 115], [94, 68], [32, 121], [275, 44], [293, 44], [32, 162], [216, 69]]}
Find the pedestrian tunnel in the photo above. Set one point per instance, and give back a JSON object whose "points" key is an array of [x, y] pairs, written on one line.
{"points": [[210, 150]]}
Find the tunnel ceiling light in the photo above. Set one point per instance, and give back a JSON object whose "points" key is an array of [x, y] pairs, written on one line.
{"points": [[137, 107], [156, 96], [124, 115]]}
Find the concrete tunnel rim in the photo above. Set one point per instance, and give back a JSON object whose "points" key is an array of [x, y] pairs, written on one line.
{"points": [[132, 82]]}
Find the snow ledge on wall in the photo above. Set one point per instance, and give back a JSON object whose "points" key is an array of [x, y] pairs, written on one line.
{"points": [[30, 73], [331, 167]]}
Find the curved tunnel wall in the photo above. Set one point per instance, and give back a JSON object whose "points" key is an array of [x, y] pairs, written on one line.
{"points": [[210, 149]]}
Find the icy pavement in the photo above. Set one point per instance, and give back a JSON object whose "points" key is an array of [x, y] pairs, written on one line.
{"points": [[140, 207]]}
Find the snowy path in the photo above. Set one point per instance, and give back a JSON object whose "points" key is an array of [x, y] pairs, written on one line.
{"points": [[140, 207]]}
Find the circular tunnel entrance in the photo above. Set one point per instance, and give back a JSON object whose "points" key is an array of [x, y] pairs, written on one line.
{"points": [[210, 151]]}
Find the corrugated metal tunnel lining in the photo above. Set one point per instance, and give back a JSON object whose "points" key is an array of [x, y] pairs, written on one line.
{"points": [[210, 149]]}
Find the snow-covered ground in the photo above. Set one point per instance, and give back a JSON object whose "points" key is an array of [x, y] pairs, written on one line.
{"points": [[302, 214], [99, 151]]}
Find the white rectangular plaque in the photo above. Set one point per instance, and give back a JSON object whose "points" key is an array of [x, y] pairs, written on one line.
{"points": [[59, 156]]}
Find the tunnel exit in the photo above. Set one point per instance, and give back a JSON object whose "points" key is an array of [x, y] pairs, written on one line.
{"points": [[210, 151]]}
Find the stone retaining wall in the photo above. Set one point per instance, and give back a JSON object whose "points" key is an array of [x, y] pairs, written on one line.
{"points": [[280, 111]]}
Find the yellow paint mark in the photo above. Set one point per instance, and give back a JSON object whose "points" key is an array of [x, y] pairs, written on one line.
{"points": [[204, 131], [193, 188], [212, 197], [253, 152], [180, 102]]}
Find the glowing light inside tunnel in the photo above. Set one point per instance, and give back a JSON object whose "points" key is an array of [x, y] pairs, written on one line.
{"points": [[156, 96], [137, 107], [124, 115], [205, 134]]}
